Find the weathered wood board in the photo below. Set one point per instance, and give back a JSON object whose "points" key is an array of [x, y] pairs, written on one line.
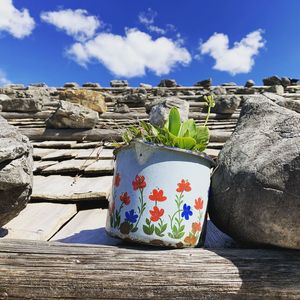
{"points": [[87, 227], [36, 270], [39, 221], [88, 166], [59, 188]]}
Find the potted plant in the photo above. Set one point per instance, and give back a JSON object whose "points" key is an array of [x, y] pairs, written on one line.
{"points": [[161, 183]]}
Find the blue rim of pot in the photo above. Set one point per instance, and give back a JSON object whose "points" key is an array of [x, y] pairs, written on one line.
{"points": [[201, 155]]}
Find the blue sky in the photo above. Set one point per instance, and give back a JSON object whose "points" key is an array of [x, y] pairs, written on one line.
{"points": [[144, 41]]}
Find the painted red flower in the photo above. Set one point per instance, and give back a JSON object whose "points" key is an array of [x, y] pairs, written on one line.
{"points": [[157, 195], [139, 182], [117, 180], [183, 186], [156, 213], [196, 227], [198, 203], [125, 198]]}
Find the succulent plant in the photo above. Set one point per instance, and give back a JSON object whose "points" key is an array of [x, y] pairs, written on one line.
{"points": [[174, 133]]}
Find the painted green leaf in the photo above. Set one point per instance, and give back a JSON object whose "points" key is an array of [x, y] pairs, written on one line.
{"points": [[164, 227], [174, 121], [180, 235]]}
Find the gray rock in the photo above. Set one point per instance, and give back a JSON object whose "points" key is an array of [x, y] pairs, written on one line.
{"points": [[71, 85], [277, 89], [39, 84], [285, 81], [256, 186], [168, 83], [229, 84], [92, 85], [226, 104], [121, 108], [206, 83], [20, 104], [273, 80], [69, 115], [16, 176], [160, 110], [219, 91], [281, 101], [245, 91], [119, 83], [249, 83], [294, 81], [145, 85], [133, 97]]}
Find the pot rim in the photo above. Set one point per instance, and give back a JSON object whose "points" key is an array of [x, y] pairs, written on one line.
{"points": [[201, 155]]}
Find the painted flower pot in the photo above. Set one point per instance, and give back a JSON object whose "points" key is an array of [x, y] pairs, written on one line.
{"points": [[159, 195]]}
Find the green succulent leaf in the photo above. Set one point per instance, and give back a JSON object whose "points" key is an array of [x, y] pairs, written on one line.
{"points": [[174, 121], [187, 129], [185, 142]]}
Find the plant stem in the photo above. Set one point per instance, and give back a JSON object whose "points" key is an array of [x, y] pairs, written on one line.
{"points": [[141, 198], [207, 116]]}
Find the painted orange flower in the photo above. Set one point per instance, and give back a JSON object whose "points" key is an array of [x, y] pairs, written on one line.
{"points": [[125, 198], [198, 203], [157, 195], [117, 180], [196, 227], [190, 240], [183, 186], [156, 213], [139, 182]]}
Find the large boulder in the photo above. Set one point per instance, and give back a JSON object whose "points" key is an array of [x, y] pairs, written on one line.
{"points": [[91, 99], [226, 104], [30, 99], [16, 165], [160, 110], [255, 189], [69, 115]]}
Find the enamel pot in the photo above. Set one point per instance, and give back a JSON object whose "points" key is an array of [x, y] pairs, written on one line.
{"points": [[159, 195]]}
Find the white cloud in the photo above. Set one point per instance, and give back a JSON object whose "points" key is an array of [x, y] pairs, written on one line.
{"points": [[76, 23], [147, 18], [18, 23], [3, 79], [131, 55], [239, 58]]}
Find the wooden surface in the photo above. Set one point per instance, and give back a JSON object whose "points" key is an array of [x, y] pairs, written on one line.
{"points": [[39, 221], [39, 270]]}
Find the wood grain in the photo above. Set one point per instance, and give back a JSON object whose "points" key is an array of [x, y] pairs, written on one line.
{"points": [[39, 270]]}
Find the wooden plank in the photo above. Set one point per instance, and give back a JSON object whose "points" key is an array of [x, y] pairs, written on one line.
{"points": [[87, 166], [60, 154], [39, 153], [38, 166], [60, 188], [41, 134], [86, 145], [87, 227], [39, 221], [54, 144], [96, 134], [106, 272]]}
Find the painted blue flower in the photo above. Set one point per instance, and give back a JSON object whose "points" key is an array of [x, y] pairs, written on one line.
{"points": [[186, 212], [131, 216]]}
